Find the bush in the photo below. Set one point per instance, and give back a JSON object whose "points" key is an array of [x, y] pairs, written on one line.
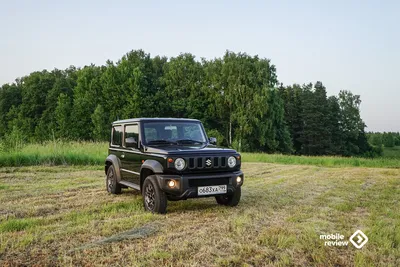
{"points": [[375, 151], [13, 141]]}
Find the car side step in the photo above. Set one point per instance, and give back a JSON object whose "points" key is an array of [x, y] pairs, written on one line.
{"points": [[129, 184]]}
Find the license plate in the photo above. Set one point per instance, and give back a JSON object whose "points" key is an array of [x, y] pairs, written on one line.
{"points": [[211, 190]]}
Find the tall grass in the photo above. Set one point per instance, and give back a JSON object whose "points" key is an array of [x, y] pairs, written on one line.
{"points": [[94, 153], [56, 153], [327, 161]]}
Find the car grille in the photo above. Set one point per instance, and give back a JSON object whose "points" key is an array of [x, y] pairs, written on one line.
{"points": [[207, 162], [208, 181]]}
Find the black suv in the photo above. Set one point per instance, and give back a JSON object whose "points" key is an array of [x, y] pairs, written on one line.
{"points": [[171, 159]]}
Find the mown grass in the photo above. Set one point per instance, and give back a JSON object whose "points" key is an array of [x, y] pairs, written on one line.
{"points": [[94, 153], [63, 215]]}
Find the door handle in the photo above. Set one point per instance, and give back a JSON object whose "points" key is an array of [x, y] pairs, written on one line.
{"points": [[122, 156]]}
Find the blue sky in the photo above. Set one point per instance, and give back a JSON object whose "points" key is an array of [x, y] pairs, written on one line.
{"points": [[352, 45]]}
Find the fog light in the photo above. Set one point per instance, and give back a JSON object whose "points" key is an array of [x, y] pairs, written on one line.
{"points": [[238, 179], [171, 183]]}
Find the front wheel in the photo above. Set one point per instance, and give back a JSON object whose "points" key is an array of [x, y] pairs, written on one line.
{"points": [[230, 200], [154, 199]]}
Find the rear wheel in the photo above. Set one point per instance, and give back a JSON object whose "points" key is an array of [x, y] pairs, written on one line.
{"points": [[154, 199], [111, 181], [230, 200]]}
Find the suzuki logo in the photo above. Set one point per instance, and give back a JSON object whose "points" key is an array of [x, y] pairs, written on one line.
{"points": [[208, 162]]}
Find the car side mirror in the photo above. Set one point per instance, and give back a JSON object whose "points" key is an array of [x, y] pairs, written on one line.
{"points": [[213, 140], [131, 142]]}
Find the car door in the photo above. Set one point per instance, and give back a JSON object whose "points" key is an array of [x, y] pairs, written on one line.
{"points": [[132, 157]]}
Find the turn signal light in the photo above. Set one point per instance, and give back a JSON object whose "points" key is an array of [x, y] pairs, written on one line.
{"points": [[238, 157], [170, 160]]}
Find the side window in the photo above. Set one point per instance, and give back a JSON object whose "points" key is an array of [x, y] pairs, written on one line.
{"points": [[131, 134], [117, 136]]}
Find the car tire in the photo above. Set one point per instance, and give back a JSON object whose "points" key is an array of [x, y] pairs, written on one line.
{"points": [[112, 184], [154, 199], [230, 200]]}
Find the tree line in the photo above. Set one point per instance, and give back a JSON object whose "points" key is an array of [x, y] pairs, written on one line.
{"points": [[386, 139], [238, 98]]}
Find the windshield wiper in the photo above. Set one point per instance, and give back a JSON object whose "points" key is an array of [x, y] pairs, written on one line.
{"points": [[161, 142], [190, 141]]}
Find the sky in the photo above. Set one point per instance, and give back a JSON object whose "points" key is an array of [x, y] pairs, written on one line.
{"points": [[348, 45]]}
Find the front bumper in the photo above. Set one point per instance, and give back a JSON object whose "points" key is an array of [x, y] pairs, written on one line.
{"points": [[186, 184]]}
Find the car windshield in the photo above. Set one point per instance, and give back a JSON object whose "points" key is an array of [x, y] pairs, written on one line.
{"points": [[170, 132]]}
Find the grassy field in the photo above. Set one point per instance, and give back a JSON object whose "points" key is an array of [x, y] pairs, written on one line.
{"points": [[63, 216], [92, 153]]}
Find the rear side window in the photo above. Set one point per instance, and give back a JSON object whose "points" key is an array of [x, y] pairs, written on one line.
{"points": [[117, 136], [132, 131]]}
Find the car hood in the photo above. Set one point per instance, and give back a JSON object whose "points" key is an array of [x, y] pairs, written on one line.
{"points": [[186, 149]]}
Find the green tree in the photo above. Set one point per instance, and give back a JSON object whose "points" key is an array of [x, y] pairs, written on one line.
{"points": [[216, 111], [34, 90], [376, 139], [135, 71], [276, 135], [351, 123], [10, 96], [101, 130], [62, 116], [64, 82], [245, 84], [316, 139], [183, 77], [87, 94], [388, 139], [133, 88], [397, 139], [333, 126], [292, 99]]}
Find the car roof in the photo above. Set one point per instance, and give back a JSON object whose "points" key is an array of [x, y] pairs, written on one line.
{"points": [[152, 119]]}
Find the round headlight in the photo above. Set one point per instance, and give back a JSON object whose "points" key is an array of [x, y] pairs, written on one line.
{"points": [[231, 161], [179, 164]]}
